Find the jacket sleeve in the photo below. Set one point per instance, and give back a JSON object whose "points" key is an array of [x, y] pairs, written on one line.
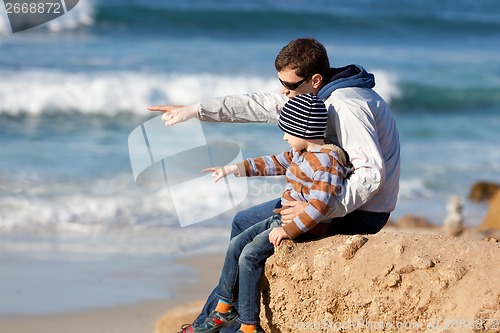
{"points": [[357, 133], [256, 107]]}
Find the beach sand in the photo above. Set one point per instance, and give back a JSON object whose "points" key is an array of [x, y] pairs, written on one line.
{"points": [[134, 318]]}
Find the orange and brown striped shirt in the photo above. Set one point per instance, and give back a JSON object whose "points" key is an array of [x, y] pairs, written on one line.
{"points": [[316, 177]]}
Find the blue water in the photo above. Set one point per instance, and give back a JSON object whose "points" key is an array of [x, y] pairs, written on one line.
{"points": [[72, 90]]}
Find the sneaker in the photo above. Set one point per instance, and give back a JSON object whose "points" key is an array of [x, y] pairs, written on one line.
{"points": [[258, 330], [217, 321], [186, 328]]}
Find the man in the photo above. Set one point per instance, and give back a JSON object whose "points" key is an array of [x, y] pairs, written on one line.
{"points": [[315, 173], [359, 121]]}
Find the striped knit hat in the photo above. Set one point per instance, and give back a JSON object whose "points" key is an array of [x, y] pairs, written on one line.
{"points": [[304, 116]]}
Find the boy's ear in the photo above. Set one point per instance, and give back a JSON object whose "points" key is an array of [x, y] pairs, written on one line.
{"points": [[316, 80]]}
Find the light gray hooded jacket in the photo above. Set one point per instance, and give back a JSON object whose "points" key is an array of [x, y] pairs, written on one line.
{"points": [[359, 120]]}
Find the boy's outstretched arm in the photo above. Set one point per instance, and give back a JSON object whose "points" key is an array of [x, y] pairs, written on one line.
{"points": [[219, 172], [259, 166]]}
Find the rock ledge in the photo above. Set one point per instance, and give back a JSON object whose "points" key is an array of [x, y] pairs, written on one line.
{"points": [[382, 283]]}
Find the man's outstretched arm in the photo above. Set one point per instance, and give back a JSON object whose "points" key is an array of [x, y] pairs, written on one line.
{"points": [[256, 107]]}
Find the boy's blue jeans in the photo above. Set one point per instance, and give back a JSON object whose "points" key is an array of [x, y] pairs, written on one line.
{"points": [[243, 269], [357, 222]]}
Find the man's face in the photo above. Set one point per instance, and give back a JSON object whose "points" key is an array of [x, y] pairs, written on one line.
{"points": [[288, 76]]}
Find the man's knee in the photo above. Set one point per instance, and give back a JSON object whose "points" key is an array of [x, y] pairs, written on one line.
{"points": [[241, 218], [240, 223], [246, 218]]}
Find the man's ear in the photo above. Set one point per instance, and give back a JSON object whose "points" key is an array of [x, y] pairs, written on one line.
{"points": [[316, 80]]}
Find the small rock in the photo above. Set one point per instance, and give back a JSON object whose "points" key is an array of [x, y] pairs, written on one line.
{"points": [[413, 221], [388, 270], [482, 191], [393, 279], [299, 272], [422, 262], [351, 246], [453, 223], [453, 274], [406, 269]]}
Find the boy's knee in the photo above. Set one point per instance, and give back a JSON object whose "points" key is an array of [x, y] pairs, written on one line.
{"points": [[234, 245]]}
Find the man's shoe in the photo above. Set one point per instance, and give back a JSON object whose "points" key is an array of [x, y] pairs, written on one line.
{"points": [[186, 328], [217, 321]]}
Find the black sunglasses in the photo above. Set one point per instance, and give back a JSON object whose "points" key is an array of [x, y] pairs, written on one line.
{"points": [[294, 85]]}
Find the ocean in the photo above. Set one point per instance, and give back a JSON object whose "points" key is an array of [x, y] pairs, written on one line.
{"points": [[73, 90]]}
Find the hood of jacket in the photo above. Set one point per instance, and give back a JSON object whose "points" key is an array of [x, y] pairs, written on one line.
{"points": [[348, 76]]}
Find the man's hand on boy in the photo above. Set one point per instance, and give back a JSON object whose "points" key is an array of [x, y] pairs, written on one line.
{"points": [[219, 172], [174, 114], [277, 235], [291, 209]]}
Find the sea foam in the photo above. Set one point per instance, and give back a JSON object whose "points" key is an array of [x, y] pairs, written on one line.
{"points": [[37, 92]]}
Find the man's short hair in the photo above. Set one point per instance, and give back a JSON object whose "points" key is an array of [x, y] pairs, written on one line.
{"points": [[306, 56]]}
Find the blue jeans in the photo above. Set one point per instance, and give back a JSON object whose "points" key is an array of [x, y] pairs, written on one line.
{"points": [[242, 221], [243, 269], [357, 222]]}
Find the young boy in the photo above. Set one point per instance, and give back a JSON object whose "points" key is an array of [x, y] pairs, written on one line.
{"points": [[315, 174]]}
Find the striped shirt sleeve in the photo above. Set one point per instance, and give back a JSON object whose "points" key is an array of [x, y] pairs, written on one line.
{"points": [[272, 165]]}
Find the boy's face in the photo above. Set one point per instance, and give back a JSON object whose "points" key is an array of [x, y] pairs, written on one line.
{"points": [[288, 76], [296, 143]]}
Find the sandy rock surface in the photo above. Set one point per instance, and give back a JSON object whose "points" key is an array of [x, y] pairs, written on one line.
{"points": [[389, 282]]}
